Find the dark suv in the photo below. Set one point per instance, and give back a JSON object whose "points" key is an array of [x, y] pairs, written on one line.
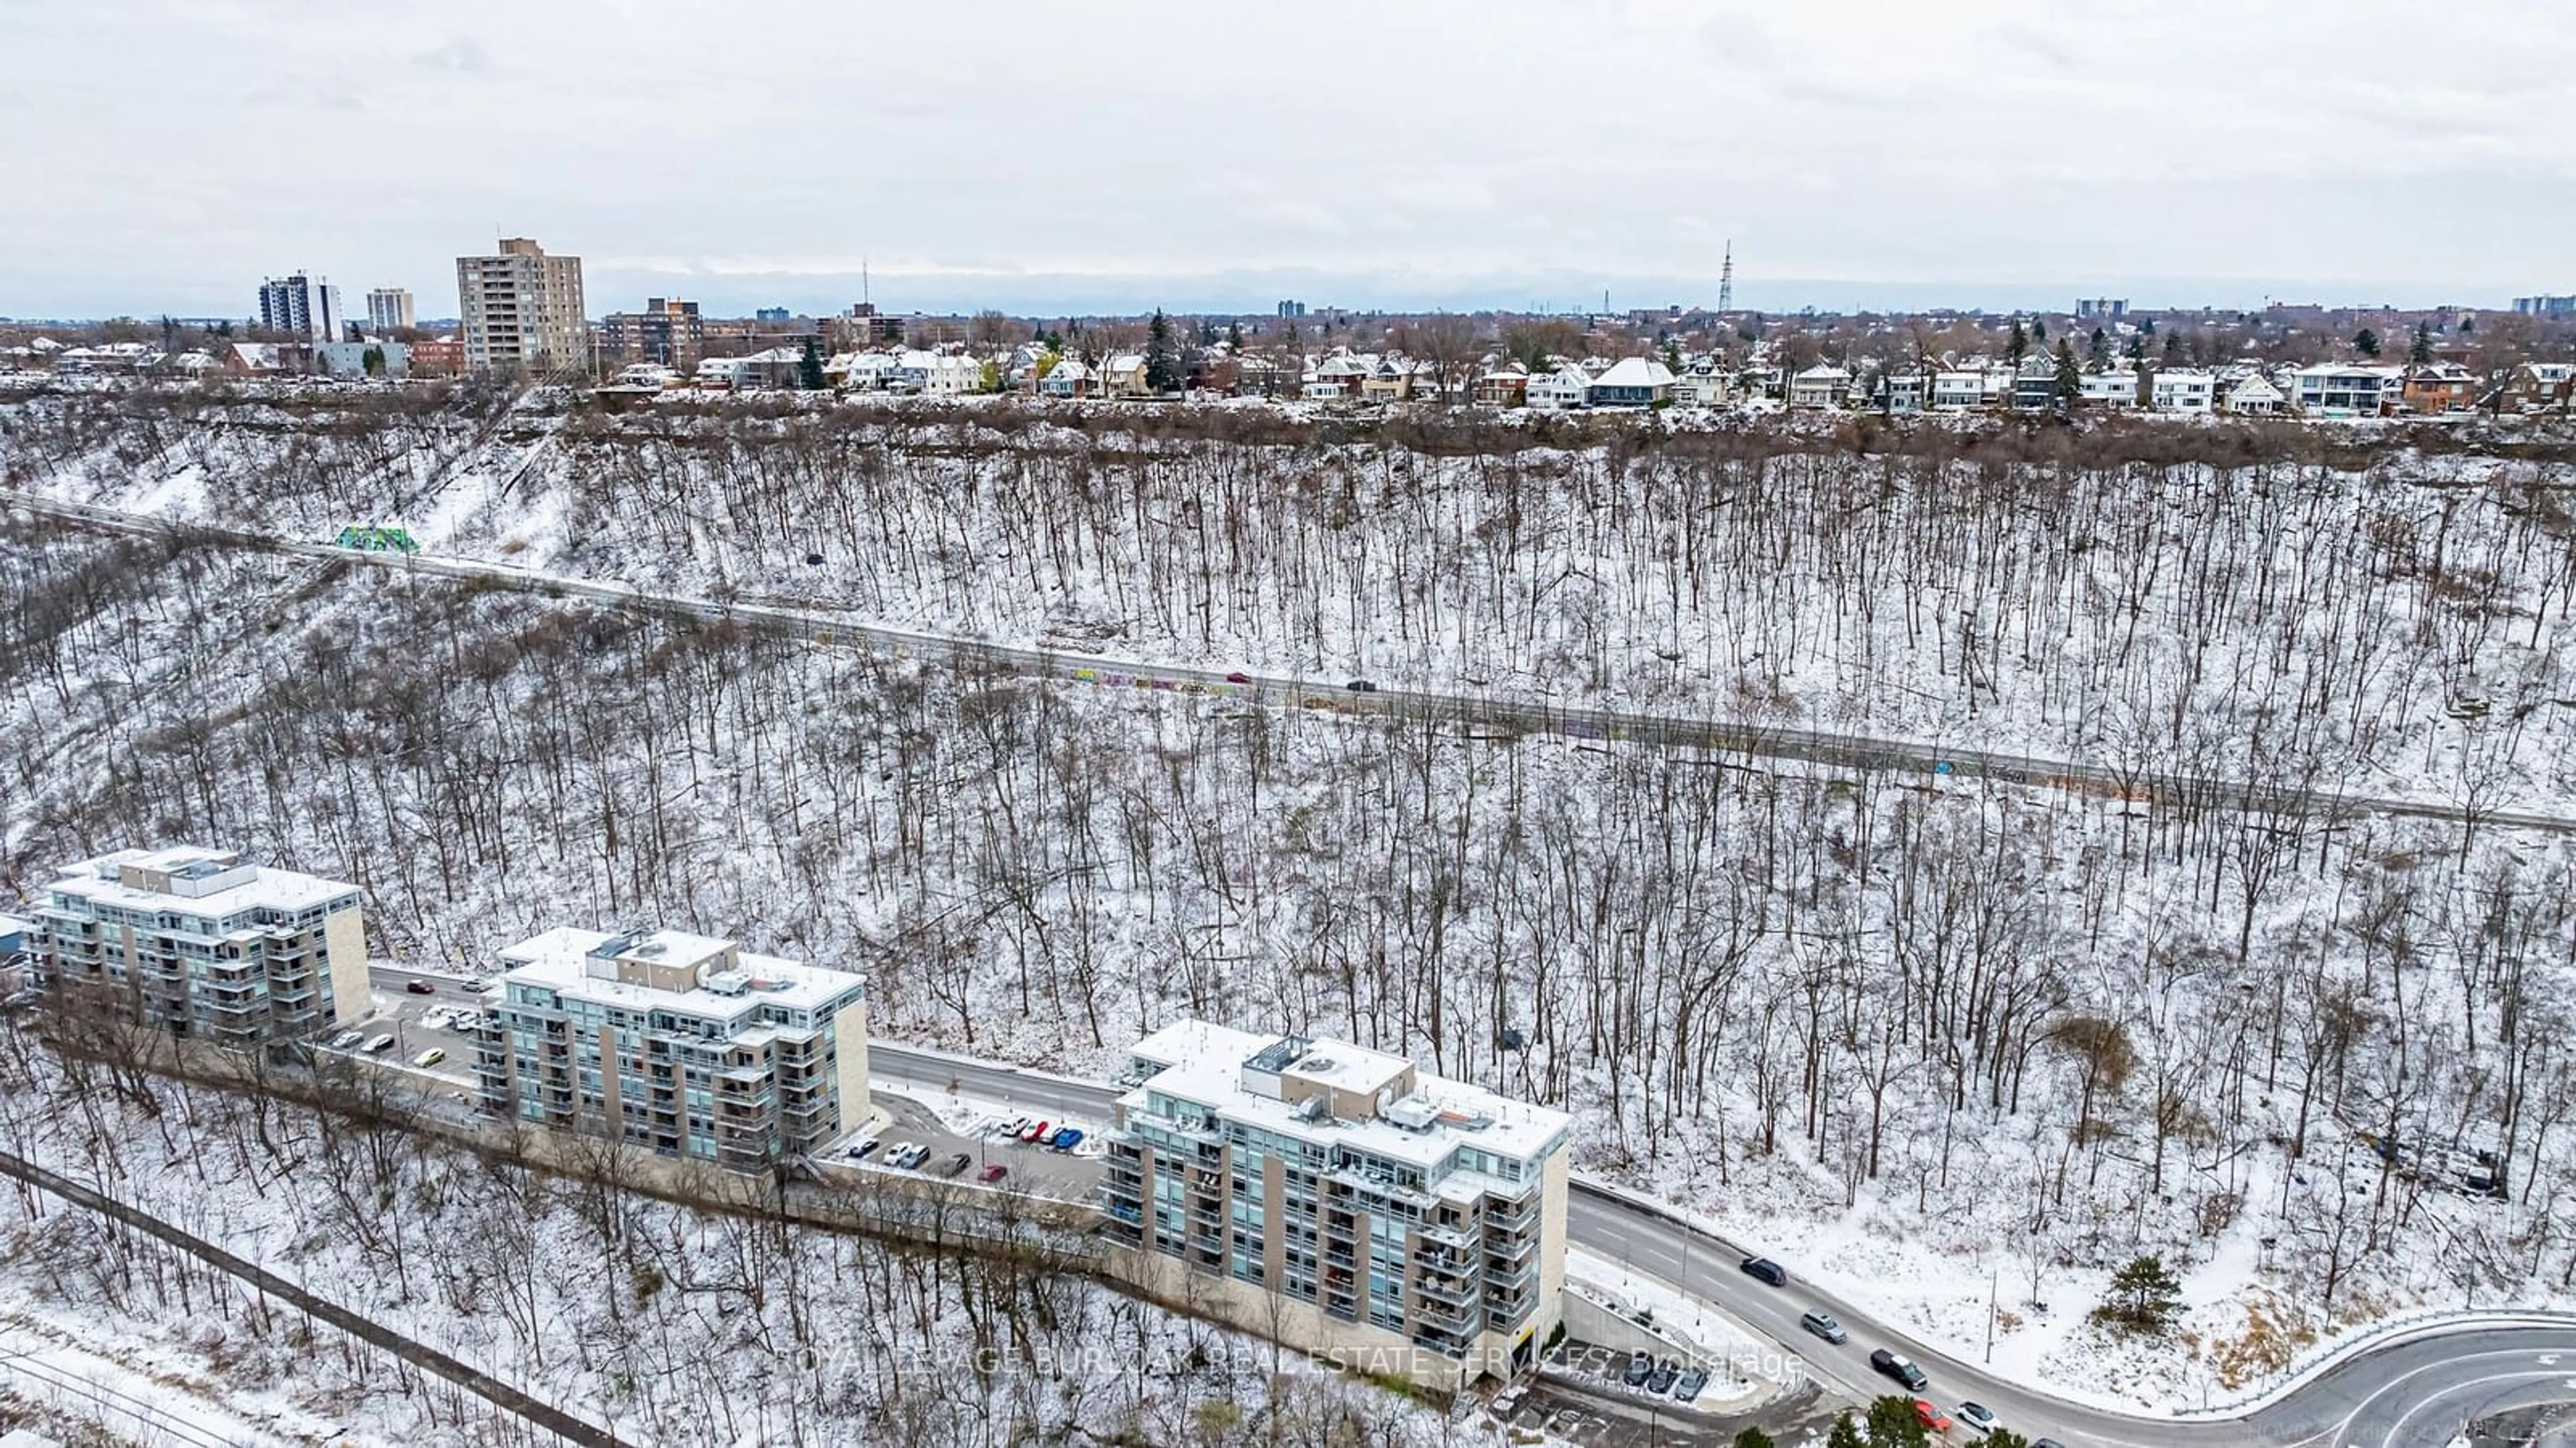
{"points": [[1901, 1369], [1763, 1269]]}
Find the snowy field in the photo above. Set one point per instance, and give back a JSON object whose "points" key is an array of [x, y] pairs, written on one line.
{"points": [[1917, 1038]]}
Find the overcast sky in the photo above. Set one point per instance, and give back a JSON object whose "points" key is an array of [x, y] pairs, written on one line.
{"points": [[160, 156]]}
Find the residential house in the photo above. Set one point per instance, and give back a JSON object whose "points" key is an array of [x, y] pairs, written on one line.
{"points": [[1123, 375], [938, 374], [2342, 390], [2116, 389], [1900, 393], [1704, 383], [721, 374], [2432, 388], [1504, 386], [1069, 378], [1960, 390], [1396, 379], [1565, 388], [1341, 377], [124, 359], [252, 359], [2254, 395], [2540, 387], [1631, 382], [1821, 386], [2034, 386], [868, 371], [2183, 390]]}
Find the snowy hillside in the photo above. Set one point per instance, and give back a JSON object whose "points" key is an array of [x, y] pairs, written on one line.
{"points": [[1905, 1034]]}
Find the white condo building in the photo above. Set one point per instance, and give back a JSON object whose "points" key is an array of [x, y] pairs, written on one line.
{"points": [[197, 943], [682, 1044], [1341, 1199], [389, 308]]}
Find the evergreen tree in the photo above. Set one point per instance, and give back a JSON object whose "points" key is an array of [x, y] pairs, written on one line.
{"points": [[2039, 329], [2366, 342], [1234, 335], [2144, 1297], [1893, 1424], [1845, 1434], [2468, 325], [2006, 1438], [2100, 352], [2017, 346], [809, 368], [1162, 356], [2422, 352], [1753, 1438], [2069, 386], [373, 359], [2173, 349]]}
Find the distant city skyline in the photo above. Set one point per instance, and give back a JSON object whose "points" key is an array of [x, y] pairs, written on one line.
{"points": [[1053, 161]]}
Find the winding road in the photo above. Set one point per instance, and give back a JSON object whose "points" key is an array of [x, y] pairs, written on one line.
{"points": [[1485, 712], [2410, 1392]]}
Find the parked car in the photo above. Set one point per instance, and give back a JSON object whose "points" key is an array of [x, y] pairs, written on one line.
{"points": [[429, 1058], [1037, 1132], [1824, 1325], [1662, 1378], [899, 1154], [1930, 1416], [1687, 1390], [865, 1149], [957, 1161], [435, 1018], [420, 987], [1900, 1368], [992, 1174], [1362, 686], [346, 1039], [1013, 1127], [2046, 1443], [376, 1044], [1640, 1368], [1977, 1416], [1763, 1269], [1066, 1138]]}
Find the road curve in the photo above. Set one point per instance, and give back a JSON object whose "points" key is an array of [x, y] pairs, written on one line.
{"points": [[2411, 1393], [1476, 711]]}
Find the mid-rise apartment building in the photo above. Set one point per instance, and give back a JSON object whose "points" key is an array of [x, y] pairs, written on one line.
{"points": [[521, 310], [195, 942], [1342, 1200], [389, 308], [681, 1044], [301, 306], [668, 333]]}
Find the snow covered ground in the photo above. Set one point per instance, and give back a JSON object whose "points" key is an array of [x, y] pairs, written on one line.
{"points": [[1915, 1039]]}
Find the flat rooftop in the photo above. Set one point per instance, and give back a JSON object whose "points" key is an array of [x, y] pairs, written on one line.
{"points": [[1203, 1062], [561, 960], [98, 882]]}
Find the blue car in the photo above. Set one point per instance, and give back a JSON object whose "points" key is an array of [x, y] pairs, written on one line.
{"points": [[1067, 1139]]}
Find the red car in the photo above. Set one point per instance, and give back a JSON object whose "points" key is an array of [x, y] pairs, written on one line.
{"points": [[420, 987], [1930, 1416], [992, 1174], [1238, 677]]}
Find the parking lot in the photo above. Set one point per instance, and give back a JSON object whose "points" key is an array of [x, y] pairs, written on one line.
{"points": [[1069, 1176], [408, 1017], [1582, 1395]]}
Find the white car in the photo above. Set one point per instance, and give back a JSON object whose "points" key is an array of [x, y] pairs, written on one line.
{"points": [[435, 1018], [429, 1058], [346, 1039], [376, 1044]]}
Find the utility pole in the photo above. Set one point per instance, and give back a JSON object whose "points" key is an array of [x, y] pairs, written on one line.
{"points": [[1992, 1274], [1726, 279]]}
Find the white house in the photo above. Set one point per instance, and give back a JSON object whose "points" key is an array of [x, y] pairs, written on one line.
{"points": [[1705, 384], [1561, 390], [2114, 390], [1900, 393], [2184, 390], [1823, 385], [2255, 396], [721, 374], [862, 371], [1959, 390], [2337, 390]]}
